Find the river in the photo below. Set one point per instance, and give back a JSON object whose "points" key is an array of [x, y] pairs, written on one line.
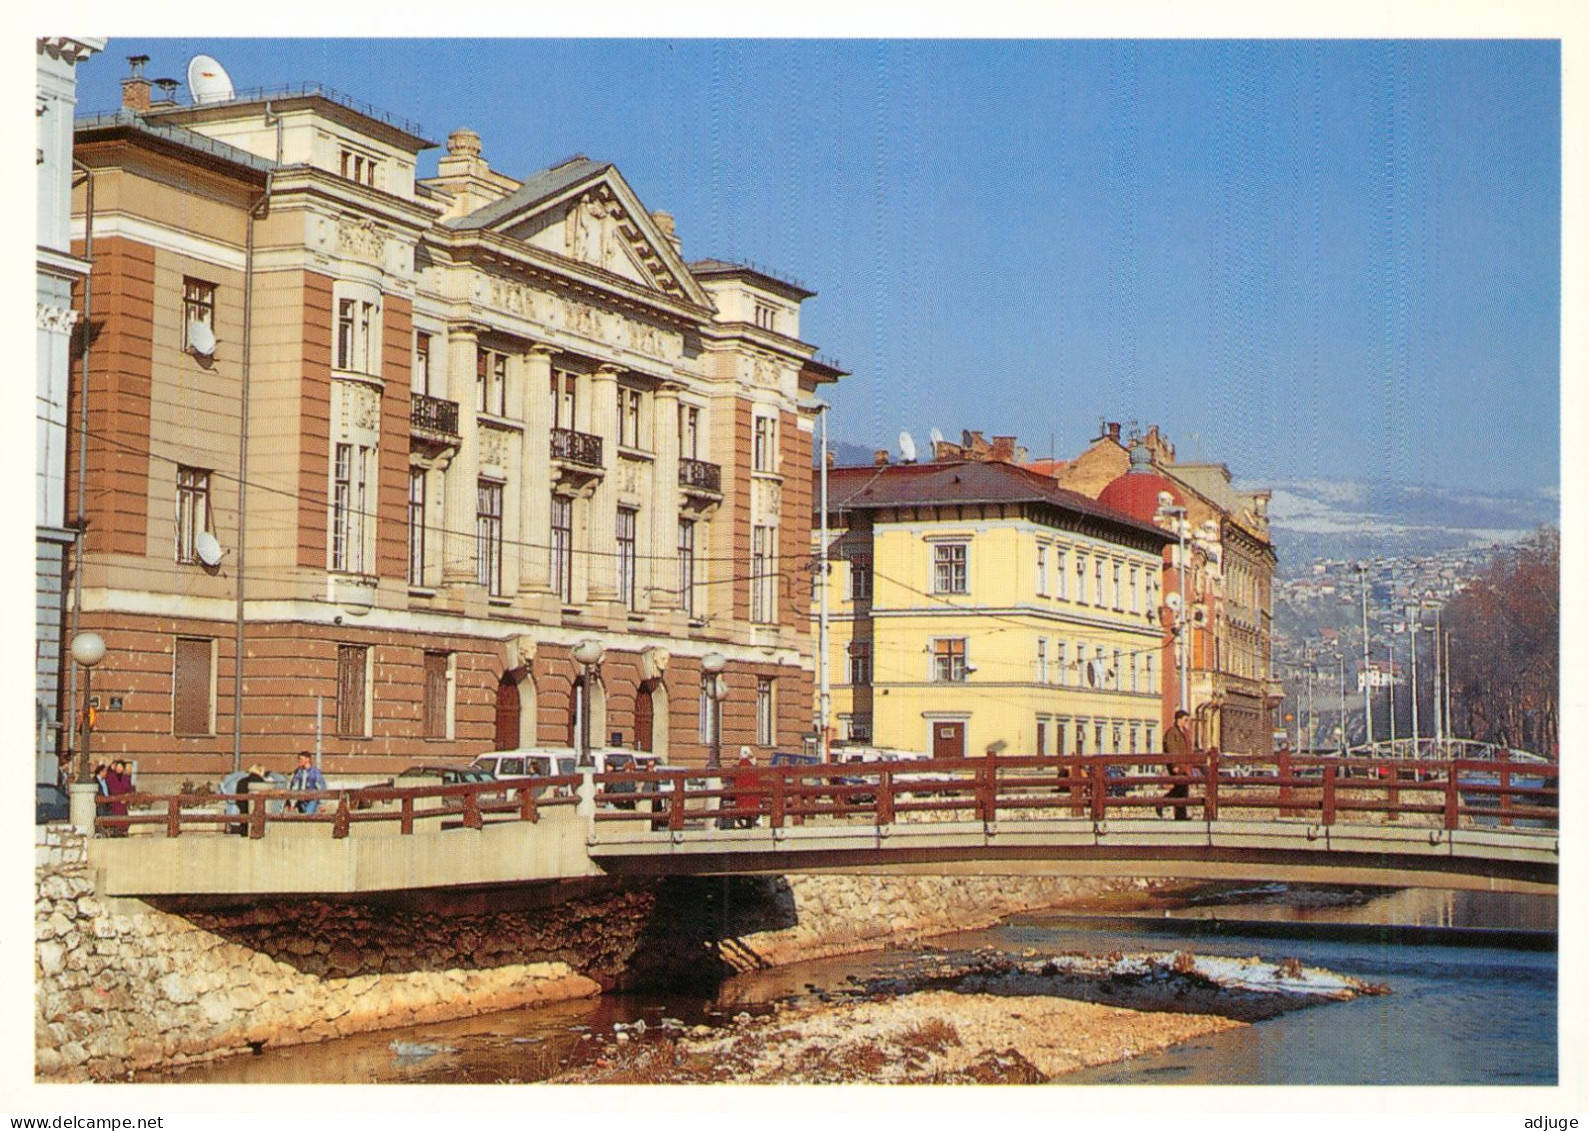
{"points": [[1473, 979]]}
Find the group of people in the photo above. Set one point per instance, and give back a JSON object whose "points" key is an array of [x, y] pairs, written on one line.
{"points": [[114, 779], [307, 778]]}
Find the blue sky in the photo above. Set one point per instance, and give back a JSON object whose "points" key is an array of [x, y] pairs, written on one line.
{"points": [[1306, 259]]}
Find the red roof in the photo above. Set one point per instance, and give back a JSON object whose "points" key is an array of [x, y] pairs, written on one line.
{"points": [[926, 484], [1137, 494]]}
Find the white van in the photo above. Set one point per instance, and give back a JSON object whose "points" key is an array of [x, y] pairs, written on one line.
{"points": [[543, 762]]}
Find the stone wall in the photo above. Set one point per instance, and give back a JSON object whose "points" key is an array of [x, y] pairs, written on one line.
{"points": [[124, 985]]}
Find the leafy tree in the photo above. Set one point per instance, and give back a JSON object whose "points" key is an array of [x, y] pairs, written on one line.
{"points": [[1505, 647]]}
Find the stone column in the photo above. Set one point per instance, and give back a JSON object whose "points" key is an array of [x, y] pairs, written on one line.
{"points": [[535, 479], [660, 564], [458, 565], [601, 568]]}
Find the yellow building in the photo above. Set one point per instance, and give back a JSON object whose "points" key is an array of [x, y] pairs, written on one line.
{"points": [[976, 606]]}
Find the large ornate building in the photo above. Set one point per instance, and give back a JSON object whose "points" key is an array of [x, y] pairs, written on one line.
{"points": [[369, 454], [1230, 560]]}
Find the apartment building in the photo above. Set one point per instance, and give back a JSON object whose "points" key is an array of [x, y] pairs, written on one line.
{"points": [[371, 454], [978, 607]]}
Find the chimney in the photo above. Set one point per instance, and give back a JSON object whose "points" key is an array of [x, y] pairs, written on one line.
{"points": [[1112, 428], [1003, 450], [664, 222], [880, 457], [832, 460], [135, 88], [168, 92]]}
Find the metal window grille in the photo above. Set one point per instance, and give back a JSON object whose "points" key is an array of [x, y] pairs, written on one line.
{"points": [[192, 706]]}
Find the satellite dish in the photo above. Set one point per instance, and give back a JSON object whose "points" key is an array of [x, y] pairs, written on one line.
{"points": [[907, 448], [208, 550], [201, 339], [937, 436], [1095, 673], [209, 81], [1173, 602]]}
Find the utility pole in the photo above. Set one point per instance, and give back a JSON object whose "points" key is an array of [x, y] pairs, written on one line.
{"points": [[1415, 628], [1340, 671], [1436, 699], [1368, 683], [824, 682], [1390, 673]]}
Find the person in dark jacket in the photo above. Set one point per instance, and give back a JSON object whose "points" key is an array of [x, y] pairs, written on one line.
{"points": [[254, 776], [118, 782], [1178, 743]]}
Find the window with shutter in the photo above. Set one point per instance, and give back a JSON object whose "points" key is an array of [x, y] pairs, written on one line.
{"points": [[192, 709], [351, 664]]}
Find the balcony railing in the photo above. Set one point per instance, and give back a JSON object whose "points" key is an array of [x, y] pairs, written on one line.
{"points": [[698, 475], [576, 447], [434, 415]]}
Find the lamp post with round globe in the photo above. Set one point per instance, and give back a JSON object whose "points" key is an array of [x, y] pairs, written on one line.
{"points": [[587, 654], [712, 665], [88, 649]]}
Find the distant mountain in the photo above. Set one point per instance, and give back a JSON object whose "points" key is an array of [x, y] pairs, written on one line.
{"points": [[1318, 519]]}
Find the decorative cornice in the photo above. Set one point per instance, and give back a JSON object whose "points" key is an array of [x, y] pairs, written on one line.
{"points": [[68, 49]]}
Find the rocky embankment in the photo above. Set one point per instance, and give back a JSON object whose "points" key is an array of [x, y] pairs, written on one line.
{"points": [[986, 1018]]}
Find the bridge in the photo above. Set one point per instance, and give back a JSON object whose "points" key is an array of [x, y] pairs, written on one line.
{"points": [[1471, 824]]}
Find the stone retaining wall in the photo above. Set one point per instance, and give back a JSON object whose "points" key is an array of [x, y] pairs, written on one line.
{"points": [[124, 985]]}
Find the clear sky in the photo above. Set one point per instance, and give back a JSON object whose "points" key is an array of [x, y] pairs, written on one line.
{"points": [[1305, 259]]}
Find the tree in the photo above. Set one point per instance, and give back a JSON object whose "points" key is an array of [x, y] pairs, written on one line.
{"points": [[1505, 646]]}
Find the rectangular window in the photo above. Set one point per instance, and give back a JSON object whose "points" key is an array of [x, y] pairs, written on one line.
{"points": [[1061, 736], [198, 308], [704, 717], [193, 511], [490, 382], [1098, 596], [860, 662], [438, 667], [1042, 660], [349, 490], [1114, 672], [628, 520], [1042, 571], [420, 381], [687, 566], [766, 316], [860, 579], [1081, 736], [1136, 668], [1136, 590], [1081, 579], [764, 450], [689, 431], [416, 526], [1117, 732], [358, 168], [356, 332], [630, 403], [949, 568], [1097, 736], [949, 660], [1136, 738], [765, 729], [1119, 601], [1061, 660], [192, 686], [763, 574], [565, 395], [1151, 676], [563, 548], [352, 669], [1042, 738], [488, 535], [1061, 566]]}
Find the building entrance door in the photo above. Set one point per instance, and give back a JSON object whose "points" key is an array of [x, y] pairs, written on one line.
{"points": [[948, 740], [507, 714], [644, 710]]}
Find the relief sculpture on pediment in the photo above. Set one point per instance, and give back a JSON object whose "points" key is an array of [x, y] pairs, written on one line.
{"points": [[361, 239]]}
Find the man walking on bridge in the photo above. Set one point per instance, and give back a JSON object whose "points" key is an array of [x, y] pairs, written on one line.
{"points": [[307, 778], [1178, 743]]}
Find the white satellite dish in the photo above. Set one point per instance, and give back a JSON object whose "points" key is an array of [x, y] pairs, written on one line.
{"points": [[208, 81], [936, 436], [1173, 602], [907, 448], [208, 550], [1095, 673], [201, 339]]}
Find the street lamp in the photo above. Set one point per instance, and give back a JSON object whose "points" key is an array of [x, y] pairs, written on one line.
{"points": [[88, 648], [587, 654], [712, 665], [1183, 615], [1368, 690]]}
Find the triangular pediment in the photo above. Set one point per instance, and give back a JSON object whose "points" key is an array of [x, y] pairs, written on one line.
{"points": [[585, 212]]}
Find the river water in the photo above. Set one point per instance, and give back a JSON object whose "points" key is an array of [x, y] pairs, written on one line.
{"points": [[1473, 1001]]}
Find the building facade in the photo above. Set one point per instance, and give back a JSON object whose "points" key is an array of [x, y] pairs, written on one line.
{"points": [[1231, 562], [59, 272], [370, 454], [977, 607]]}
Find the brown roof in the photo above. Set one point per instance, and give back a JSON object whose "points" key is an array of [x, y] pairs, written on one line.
{"points": [[926, 484]]}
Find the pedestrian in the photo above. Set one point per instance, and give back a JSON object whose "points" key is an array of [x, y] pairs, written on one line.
{"points": [[1178, 743], [254, 776], [101, 788], [307, 778], [746, 793], [118, 783]]}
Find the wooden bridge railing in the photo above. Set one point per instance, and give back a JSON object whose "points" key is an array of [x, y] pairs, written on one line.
{"points": [[1325, 790]]}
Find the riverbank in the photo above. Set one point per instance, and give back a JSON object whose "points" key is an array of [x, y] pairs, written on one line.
{"points": [[983, 1019]]}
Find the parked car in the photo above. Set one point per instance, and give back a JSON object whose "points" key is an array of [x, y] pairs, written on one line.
{"points": [[513, 765]]}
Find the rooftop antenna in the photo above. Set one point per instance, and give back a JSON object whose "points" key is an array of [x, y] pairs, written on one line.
{"points": [[168, 89], [907, 448], [137, 62], [208, 81]]}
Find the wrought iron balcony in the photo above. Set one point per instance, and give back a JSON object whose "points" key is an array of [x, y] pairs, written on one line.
{"points": [[698, 475], [576, 447], [432, 414]]}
